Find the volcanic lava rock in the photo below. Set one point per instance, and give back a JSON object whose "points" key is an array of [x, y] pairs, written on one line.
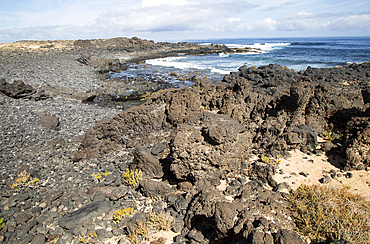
{"points": [[357, 146], [18, 89], [208, 147], [278, 108], [147, 163], [104, 65], [152, 188], [231, 222], [84, 215]]}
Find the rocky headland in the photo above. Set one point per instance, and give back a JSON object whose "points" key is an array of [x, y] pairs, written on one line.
{"points": [[209, 154]]}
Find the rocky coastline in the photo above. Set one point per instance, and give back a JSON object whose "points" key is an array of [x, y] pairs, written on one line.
{"points": [[200, 149]]}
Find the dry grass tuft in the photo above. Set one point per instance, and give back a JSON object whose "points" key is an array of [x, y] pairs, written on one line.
{"points": [[322, 211]]}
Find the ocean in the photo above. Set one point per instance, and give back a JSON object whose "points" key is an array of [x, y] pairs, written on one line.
{"points": [[295, 53]]}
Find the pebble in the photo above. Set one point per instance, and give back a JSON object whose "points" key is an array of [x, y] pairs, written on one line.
{"points": [[325, 180]]}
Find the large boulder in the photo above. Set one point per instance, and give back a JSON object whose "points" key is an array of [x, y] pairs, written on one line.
{"points": [[147, 163], [18, 89], [208, 147]]}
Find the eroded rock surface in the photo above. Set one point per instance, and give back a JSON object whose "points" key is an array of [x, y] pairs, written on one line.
{"points": [[245, 214], [279, 110]]}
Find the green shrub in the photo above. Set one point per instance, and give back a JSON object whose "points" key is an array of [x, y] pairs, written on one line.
{"points": [[24, 180], [99, 175], [2, 223], [321, 212], [264, 158], [329, 136], [120, 214], [132, 177]]}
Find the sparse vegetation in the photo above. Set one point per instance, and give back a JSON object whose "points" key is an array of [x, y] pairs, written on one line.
{"points": [[123, 213], [141, 229], [145, 231], [132, 177], [160, 240], [133, 237], [264, 158], [24, 180], [329, 136], [321, 212], [99, 175], [2, 223], [88, 237], [159, 221]]}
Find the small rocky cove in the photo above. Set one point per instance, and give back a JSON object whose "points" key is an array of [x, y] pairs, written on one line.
{"points": [[208, 151]]}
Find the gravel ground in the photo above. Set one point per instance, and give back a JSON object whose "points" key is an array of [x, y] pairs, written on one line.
{"points": [[48, 67], [47, 153]]}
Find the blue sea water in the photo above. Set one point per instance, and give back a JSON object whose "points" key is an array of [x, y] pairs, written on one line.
{"points": [[295, 53]]}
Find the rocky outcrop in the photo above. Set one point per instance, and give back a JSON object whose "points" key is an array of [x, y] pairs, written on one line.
{"points": [[357, 143], [271, 109], [101, 64], [223, 216], [18, 89], [208, 147]]}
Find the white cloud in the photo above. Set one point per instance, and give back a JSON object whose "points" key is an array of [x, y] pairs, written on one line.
{"points": [[150, 3], [350, 22], [232, 20], [267, 24], [73, 19]]}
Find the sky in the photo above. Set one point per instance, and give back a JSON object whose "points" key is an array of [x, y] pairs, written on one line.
{"points": [[181, 20]]}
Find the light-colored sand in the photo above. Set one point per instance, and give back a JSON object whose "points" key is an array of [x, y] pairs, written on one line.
{"points": [[318, 167]]}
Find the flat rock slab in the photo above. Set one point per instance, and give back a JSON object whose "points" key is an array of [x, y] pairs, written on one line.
{"points": [[84, 215]]}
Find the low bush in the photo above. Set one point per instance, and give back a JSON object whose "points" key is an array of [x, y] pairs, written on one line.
{"points": [[24, 180], [322, 212], [132, 177], [123, 213]]}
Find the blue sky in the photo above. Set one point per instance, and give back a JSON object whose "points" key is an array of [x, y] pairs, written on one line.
{"points": [[178, 20]]}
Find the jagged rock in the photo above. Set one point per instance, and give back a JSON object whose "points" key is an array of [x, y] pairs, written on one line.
{"points": [[147, 163], [263, 172], [225, 216], [104, 100], [304, 136], [260, 237], [208, 147], [357, 146], [18, 89], [231, 220], [285, 236], [278, 108], [366, 94]]}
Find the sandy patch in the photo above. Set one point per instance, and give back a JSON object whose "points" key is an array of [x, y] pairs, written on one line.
{"points": [[309, 169], [32, 45]]}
